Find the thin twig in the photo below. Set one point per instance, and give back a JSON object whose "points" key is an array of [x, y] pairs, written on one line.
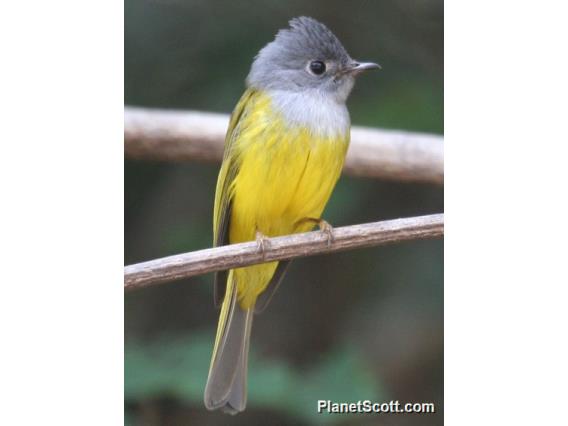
{"points": [[288, 247], [166, 135]]}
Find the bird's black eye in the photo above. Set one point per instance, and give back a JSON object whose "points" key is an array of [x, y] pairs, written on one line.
{"points": [[317, 67]]}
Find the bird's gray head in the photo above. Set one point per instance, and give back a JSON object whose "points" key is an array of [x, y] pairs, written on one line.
{"points": [[307, 56]]}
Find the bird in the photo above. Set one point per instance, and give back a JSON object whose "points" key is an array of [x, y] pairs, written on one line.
{"points": [[284, 150]]}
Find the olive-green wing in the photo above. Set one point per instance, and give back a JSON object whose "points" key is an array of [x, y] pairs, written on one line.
{"points": [[227, 174]]}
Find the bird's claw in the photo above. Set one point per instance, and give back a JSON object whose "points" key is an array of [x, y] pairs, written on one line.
{"points": [[263, 243], [326, 228]]}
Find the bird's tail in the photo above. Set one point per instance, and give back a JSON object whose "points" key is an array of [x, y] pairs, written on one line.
{"points": [[226, 387]]}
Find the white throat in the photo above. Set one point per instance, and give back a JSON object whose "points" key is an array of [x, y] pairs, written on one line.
{"points": [[321, 114]]}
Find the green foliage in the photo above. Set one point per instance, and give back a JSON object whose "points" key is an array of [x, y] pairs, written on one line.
{"points": [[177, 368], [410, 103]]}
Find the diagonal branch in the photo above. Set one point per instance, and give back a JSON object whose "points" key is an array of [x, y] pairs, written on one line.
{"points": [[154, 134], [288, 247]]}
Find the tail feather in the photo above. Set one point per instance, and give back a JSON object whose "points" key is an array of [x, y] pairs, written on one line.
{"points": [[226, 387]]}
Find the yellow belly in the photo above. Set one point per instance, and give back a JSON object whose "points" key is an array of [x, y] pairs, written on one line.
{"points": [[286, 175]]}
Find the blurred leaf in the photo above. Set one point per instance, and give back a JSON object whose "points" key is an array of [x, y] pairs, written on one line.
{"points": [[177, 368]]}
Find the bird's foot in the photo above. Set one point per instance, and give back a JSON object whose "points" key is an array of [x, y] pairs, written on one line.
{"points": [[262, 242], [327, 229]]}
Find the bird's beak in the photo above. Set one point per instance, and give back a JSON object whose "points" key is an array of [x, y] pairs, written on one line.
{"points": [[358, 67]]}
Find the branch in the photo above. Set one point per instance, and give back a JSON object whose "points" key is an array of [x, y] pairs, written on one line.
{"points": [[288, 247], [164, 135]]}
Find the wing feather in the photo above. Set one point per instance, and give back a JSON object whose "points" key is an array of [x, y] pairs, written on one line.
{"points": [[227, 174]]}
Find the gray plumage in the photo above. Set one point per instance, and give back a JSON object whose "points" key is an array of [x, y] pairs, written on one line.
{"points": [[283, 63], [308, 75], [226, 387]]}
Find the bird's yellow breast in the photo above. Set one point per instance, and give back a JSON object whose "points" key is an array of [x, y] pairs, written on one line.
{"points": [[286, 174]]}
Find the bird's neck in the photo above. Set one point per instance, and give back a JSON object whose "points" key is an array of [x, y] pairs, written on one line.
{"points": [[316, 111]]}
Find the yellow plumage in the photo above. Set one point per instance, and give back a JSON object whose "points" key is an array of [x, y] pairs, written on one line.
{"points": [[284, 151], [285, 175], [275, 179]]}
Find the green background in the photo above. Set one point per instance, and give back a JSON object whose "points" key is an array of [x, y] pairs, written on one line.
{"points": [[365, 324]]}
